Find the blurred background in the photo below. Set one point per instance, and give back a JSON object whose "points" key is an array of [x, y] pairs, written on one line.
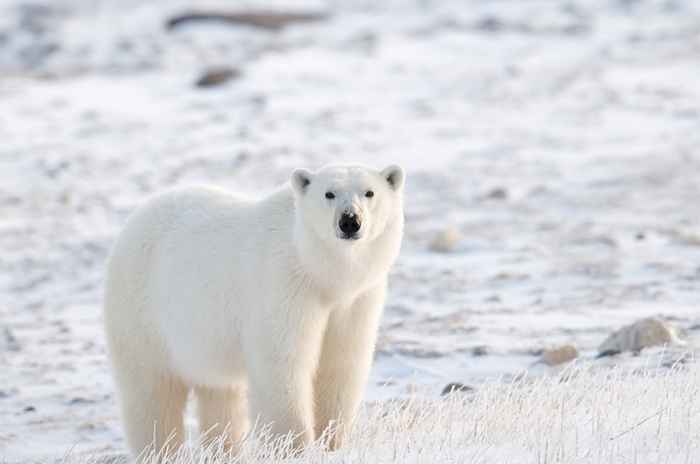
{"points": [[551, 149]]}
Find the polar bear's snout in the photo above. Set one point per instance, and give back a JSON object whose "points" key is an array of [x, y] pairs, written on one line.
{"points": [[349, 225]]}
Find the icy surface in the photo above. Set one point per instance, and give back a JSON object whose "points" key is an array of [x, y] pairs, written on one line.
{"points": [[558, 137]]}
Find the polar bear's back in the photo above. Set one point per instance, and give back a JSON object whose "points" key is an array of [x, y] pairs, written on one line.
{"points": [[163, 218], [181, 261]]}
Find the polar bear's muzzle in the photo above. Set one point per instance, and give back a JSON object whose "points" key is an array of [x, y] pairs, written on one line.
{"points": [[349, 226]]}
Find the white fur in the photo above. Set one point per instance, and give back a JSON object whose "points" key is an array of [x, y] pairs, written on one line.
{"points": [[258, 306]]}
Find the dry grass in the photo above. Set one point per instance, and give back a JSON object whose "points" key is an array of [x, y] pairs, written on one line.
{"points": [[580, 416]]}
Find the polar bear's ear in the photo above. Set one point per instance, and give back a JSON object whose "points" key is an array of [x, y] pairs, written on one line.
{"points": [[301, 178], [394, 176]]}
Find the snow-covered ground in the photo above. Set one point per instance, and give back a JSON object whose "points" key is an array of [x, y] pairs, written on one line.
{"points": [[559, 137], [580, 417]]}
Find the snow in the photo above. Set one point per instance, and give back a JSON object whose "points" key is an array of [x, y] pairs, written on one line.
{"points": [[579, 416], [584, 113]]}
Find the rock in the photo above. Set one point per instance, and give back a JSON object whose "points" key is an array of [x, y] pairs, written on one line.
{"points": [[270, 20], [80, 400], [559, 355], [9, 341], [606, 353], [446, 240], [453, 387], [642, 334], [480, 350], [29, 409], [497, 193], [217, 76], [490, 24]]}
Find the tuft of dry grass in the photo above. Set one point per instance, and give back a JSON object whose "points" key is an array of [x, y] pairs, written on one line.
{"points": [[582, 415]]}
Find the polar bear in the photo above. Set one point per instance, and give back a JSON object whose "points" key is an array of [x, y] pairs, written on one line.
{"points": [[268, 309]]}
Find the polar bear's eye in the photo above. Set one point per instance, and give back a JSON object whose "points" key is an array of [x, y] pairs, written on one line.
{"points": [[369, 194], [330, 195]]}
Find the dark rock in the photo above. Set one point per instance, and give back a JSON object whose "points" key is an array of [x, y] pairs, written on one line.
{"points": [[607, 353], [453, 387], [10, 342], [29, 409], [498, 193], [258, 100], [480, 351], [576, 29], [80, 400], [217, 76], [125, 45], [490, 24], [270, 20]]}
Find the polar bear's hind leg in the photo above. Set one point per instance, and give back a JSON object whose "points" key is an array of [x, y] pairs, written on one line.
{"points": [[153, 404]]}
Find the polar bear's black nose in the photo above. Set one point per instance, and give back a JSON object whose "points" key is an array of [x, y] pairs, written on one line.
{"points": [[349, 224]]}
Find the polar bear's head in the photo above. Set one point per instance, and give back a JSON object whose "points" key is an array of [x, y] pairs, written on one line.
{"points": [[352, 204]]}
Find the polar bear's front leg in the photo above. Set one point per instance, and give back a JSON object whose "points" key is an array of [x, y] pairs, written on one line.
{"points": [[346, 359], [223, 415], [282, 364]]}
